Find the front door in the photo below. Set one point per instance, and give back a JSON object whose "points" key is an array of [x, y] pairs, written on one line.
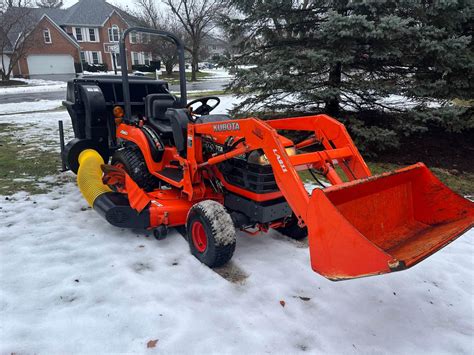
{"points": [[117, 60]]}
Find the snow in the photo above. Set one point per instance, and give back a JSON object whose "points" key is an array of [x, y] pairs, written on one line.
{"points": [[227, 103], [35, 106], [34, 85], [217, 74], [131, 289], [71, 283]]}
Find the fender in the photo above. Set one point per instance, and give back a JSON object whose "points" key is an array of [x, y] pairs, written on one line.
{"points": [[136, 135]]}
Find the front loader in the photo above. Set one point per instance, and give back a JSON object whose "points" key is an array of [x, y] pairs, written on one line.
{"points": [[150, 160]]}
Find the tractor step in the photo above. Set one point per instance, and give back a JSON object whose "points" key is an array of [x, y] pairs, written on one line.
{"points": [[175, 174]]}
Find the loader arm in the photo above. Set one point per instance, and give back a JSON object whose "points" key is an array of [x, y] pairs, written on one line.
{"points": [[366, 226], [333, 136], [258, 135], [263, 135]]}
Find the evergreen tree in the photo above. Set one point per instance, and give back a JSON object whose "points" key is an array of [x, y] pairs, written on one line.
{"points": [[396, 57]]}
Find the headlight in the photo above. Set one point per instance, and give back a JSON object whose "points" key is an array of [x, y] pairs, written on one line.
{"points": [[257, 157], [290, 151]]}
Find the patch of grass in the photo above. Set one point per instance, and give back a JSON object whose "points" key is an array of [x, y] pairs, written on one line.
{"points": [[194, 95], [174, 78], [59, 108], [463, 184], [12, 83], [23, 165], [463, 103], [207, 93]]}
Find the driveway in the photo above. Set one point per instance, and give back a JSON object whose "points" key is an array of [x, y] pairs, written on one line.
{"points": [[32, 96], [54, 77]]}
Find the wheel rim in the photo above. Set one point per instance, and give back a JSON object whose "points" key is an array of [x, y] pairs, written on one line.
{"points": [[199, 237]]}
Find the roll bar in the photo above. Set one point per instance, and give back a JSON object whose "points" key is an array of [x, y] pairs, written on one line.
{"points": [[123, 63]]}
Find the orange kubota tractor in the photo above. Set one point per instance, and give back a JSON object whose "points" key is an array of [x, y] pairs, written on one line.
{"points": [[147, 159]]}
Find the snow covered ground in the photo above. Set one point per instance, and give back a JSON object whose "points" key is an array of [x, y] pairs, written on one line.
{"points": [[218, 73], [34, 106], [71, 283], [34, 85]]}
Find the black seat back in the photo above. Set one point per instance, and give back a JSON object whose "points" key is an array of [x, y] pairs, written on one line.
{"points": [[157, 104], [179, 119]]}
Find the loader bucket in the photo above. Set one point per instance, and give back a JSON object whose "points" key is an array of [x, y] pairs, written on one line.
{"points": [[383, 223]]}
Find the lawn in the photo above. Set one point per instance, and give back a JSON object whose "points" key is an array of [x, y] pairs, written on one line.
{"points": [[174, 78], [24, 167], [463, 183]]}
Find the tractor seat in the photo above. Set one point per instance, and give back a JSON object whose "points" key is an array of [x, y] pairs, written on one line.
{"points": [[156, 106], [179, 119]]}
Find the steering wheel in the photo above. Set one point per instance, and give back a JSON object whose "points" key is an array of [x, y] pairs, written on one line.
{"points": [[205, 108]]}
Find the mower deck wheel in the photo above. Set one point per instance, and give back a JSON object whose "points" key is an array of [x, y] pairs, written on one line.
{"points": [[293, 231], [160, 232], [210, 233], [131, 160]]}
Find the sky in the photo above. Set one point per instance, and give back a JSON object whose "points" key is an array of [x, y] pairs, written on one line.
{"points": [[121, 3]]}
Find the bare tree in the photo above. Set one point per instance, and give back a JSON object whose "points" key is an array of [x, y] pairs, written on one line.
{"points": [[6, 4], [54, 4], [16, 25], [152, 16], [198, 18], [148, 12]]}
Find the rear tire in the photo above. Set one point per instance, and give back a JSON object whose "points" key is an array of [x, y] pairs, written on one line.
{"points": [[132, 161], [210, 233], [293, 231]]}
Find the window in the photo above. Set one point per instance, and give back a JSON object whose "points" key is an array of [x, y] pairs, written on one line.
{"points": [[47, 36], [146, 58], [93, 35], [145, 38], [135, 58], [114, 34], [96, 57], [90, 57], [78, 34], [133, 37]]}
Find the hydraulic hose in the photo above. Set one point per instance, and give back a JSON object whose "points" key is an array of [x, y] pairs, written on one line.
{"points": [[89, 176]]}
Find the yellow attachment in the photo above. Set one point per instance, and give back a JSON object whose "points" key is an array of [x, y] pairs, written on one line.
{"points": [[89, 176]]}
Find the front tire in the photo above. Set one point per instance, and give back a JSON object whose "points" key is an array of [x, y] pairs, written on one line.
{"points": [[210, 233]]}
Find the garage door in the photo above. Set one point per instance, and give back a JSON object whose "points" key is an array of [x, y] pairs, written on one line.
{"points": [[50, 64], [6, 62]]}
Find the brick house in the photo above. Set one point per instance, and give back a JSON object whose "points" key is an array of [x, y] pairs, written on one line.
{"points": [[87, 32], [214, 46]]}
